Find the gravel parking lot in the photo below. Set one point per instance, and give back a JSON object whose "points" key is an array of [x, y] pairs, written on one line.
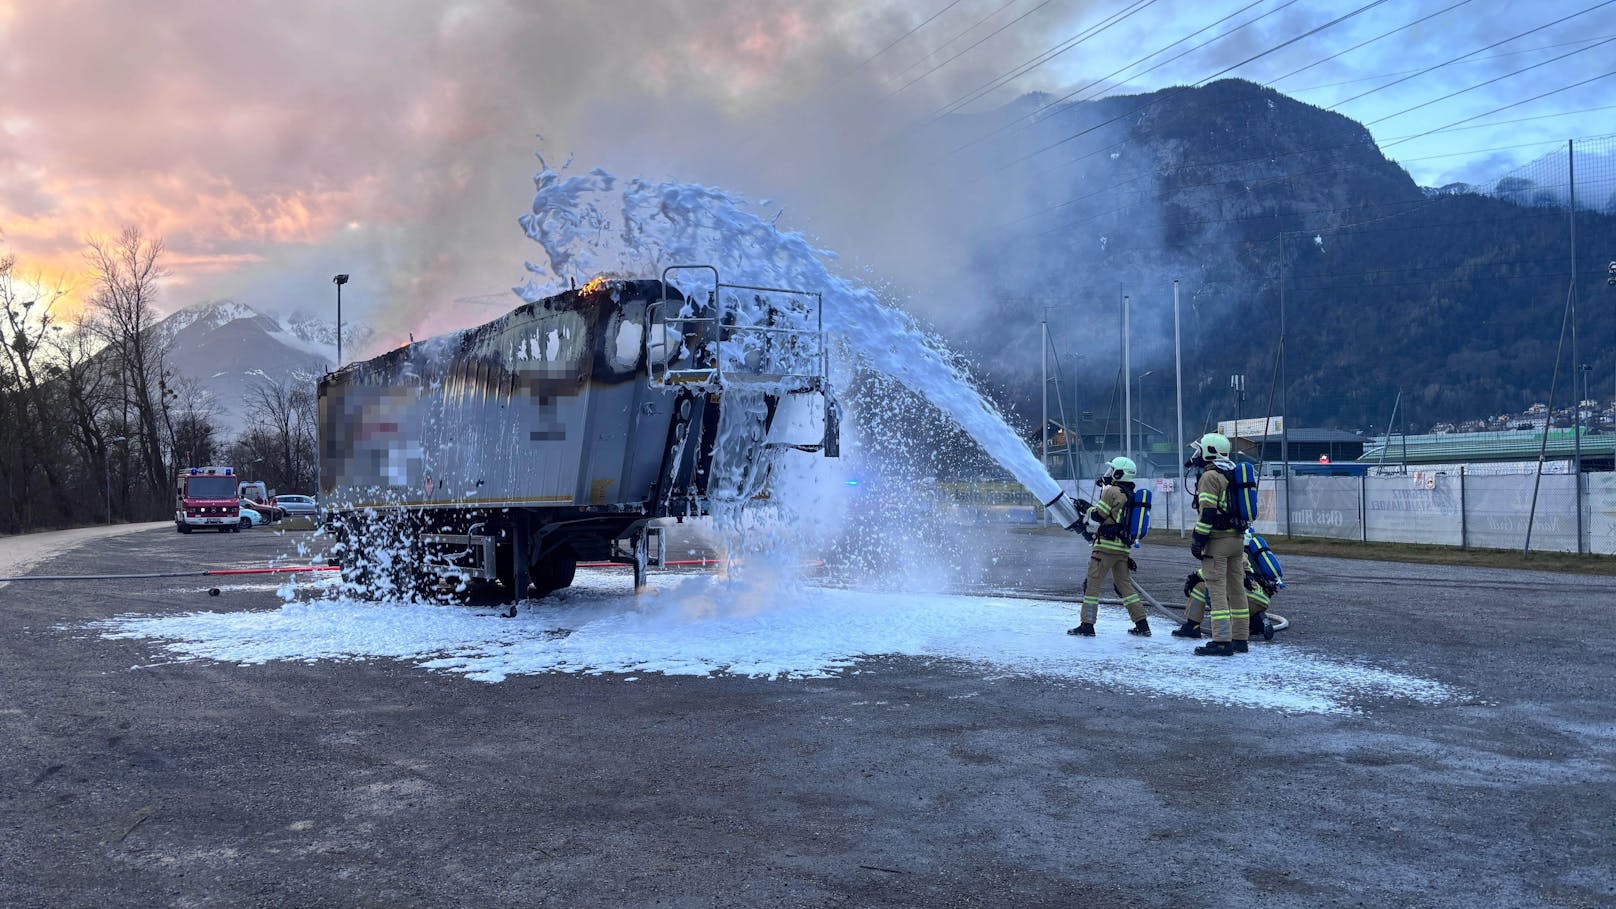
{"points": [[135, 777]]}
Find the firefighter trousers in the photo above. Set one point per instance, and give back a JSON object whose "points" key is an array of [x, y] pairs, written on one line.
{"points": [[1104, 562], [1224, 567]]}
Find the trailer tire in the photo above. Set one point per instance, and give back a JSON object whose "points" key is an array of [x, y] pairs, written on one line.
{"points": [[182, 528], [554, 573]]}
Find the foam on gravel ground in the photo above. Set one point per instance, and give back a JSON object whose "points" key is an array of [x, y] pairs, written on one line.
{"points": [[704, 626]]}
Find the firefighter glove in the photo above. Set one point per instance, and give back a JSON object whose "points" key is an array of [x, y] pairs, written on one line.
{"points": [[1190, 581], [1198, 545], [1132, 565]]}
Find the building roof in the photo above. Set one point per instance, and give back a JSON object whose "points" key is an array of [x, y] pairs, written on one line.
{"points": [[1310, 436], [1485, 446]]}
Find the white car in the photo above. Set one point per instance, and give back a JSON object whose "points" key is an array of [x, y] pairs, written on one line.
{"points": [[250, 517], [297, 505]]}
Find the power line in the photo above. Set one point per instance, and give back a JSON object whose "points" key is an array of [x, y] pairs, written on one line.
{"points": [[1502, 108], [1564, 113], [1174, 92], [1454, 60], [1128, 66], [1405, 72], [1163, 96], [1470, 88], [1361, 44], [900, 39], [968, 29], [1165, 194], [989, 36], [1032, 63]]}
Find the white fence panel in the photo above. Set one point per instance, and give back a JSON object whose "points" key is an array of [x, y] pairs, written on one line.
{"points": [[1325, 507], [1601, 491], [1420, 508], [1423, 507], [1498, 508]]}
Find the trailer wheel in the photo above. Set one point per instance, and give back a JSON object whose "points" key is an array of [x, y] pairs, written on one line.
{"points": [[555, 572]]}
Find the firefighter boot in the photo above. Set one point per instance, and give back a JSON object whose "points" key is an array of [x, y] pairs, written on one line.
{"points": [[1240, 646], [1257, 623], [1084, 630], [1216, 648], [1267, 629], [1188, 630], [1141, 628]]}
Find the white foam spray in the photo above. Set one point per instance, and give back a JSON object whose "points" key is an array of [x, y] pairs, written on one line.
{"points": [[592, 223]]}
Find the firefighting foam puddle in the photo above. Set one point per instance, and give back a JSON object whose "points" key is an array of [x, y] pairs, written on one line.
{"points": [[700, 626]]}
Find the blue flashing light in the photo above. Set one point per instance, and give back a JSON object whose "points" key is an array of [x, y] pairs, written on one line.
{"points": [[228, 471], [194, 471]]}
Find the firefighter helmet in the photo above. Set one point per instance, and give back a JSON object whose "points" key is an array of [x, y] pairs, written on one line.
{"points": [[1212, 446], [1123, 470]]}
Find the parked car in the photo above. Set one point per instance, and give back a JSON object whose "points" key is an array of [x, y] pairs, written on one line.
{"points": [[297, 505], [270, 513], [250, 515]]}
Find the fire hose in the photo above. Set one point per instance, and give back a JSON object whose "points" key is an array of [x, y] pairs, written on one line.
{"points": [[1177, 612]]}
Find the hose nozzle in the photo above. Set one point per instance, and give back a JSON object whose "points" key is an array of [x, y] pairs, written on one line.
{"points": [[1063, 511]]}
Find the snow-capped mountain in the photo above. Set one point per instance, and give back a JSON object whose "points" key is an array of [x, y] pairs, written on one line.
{"points": [[228, 348]]}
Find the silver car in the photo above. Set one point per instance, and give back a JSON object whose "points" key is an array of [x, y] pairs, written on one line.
{"points": [[297, 505]]}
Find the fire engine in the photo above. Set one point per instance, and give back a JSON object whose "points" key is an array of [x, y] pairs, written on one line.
{"points": [[206, 497]]}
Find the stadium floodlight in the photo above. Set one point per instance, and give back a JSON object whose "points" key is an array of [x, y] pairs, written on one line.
{"points": [[339, 280]]}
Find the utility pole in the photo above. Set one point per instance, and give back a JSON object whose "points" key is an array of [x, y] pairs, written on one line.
{"points": [[1127, 390], [1576, 412], [1284, 403], [1178, 399], [1043, 389]]}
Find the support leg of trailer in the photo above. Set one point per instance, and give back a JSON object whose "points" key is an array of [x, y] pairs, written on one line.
{"points": [[519, 560], [641, 559]]}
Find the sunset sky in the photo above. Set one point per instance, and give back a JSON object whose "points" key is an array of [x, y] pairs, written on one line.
{"points": [[275, 143]]}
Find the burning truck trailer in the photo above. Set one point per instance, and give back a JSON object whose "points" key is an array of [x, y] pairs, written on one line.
{"points": [[508, 453]]}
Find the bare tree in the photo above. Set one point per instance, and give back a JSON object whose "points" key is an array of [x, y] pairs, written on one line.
{"points": [[126, 271], [192, 419], [286, 412], [25, 323], [87, 381]]}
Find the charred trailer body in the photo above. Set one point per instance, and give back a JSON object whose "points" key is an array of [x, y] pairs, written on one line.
{"points": [[508, 453]]}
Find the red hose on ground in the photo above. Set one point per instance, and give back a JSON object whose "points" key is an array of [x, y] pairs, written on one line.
{"points": [[282, 570]]}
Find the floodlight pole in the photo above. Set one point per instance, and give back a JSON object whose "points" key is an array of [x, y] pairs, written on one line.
{"points": [[1178, 380], [1043, 397], [339, 280]]}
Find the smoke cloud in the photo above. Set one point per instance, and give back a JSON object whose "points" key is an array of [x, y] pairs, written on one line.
{"points": [[276, 143]]}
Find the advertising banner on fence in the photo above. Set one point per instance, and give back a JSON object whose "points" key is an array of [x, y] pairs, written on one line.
{"points": [[1254, 428]]}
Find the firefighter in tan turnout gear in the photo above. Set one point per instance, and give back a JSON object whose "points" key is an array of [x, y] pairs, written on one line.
{"points": [[1110, 553], [1259, 595], [1219, 545]]}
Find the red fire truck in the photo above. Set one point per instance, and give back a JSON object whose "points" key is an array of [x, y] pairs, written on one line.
{"points": [[205, 497]]}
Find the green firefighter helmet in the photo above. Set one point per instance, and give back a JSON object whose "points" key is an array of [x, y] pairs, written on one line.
{"points": [[1212, 446], [1123, 470]]}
